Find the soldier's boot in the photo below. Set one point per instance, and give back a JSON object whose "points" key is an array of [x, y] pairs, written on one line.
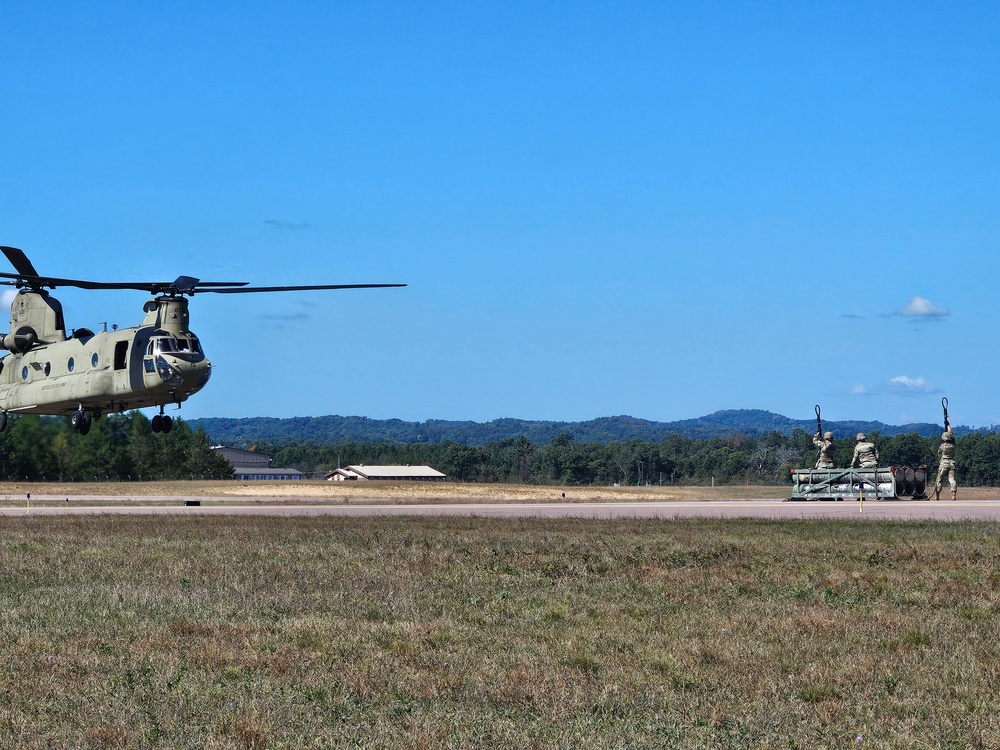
{"points": [[937, 493], [954, 494]]}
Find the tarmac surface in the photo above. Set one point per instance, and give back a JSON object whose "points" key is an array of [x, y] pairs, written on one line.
{"points": [[980, 510]]}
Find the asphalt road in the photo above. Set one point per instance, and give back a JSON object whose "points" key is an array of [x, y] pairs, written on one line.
{"points": [[984, 510]]}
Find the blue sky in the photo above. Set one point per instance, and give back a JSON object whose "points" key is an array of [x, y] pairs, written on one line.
{"points": [[654, 209]]}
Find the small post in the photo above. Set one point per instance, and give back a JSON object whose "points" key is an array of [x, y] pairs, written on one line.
{"points": [[861, 497]]}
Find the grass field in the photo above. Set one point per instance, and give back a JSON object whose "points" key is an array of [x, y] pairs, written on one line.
{"points": [[379, 632]]}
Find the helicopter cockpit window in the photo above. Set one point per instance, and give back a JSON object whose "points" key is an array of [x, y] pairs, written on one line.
{"points": [[189, 344], [166, 344]]}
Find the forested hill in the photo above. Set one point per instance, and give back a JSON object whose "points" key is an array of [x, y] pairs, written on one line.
{"points": [[330, 430]]}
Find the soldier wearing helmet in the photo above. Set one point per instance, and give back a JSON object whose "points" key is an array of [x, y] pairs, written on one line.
{"points": [[947, 465], [825, 458], [865, 454]]}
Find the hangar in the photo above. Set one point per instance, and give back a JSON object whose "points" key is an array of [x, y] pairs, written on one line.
{"points": [[250, 465]]}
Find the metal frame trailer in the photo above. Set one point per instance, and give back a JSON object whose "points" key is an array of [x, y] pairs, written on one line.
{"points": [[883, 483]]}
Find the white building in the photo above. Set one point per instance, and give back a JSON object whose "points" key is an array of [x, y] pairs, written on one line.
{"points": [[365, 473]]}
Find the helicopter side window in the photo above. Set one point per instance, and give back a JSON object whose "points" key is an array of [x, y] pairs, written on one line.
{"points": [[121, 354], [195, 344], [166, 345]]}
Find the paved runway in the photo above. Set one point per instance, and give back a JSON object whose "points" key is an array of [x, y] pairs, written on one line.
{"points": [[986, 510]]}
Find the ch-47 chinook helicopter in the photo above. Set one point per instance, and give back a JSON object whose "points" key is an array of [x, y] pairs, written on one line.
{"points": [[86, 374]]}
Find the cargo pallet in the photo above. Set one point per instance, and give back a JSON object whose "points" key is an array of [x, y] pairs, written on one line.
{"points": [[883, 483]]}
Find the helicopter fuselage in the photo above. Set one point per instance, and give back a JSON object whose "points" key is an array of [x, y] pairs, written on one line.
{"points": [[153, 364], [106, 372]]}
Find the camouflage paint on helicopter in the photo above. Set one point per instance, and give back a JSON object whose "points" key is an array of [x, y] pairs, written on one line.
{"points": [[88, 374]]}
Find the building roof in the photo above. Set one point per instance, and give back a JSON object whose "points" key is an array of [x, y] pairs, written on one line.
{"points": [[391, 472]]}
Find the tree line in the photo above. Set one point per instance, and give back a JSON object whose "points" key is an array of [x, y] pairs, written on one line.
{"points": [[735, 459], [123, 447], [119, 447]]}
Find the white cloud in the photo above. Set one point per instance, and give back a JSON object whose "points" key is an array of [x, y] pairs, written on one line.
{"points": [[859, 390], [919, 307], [904, 384]]}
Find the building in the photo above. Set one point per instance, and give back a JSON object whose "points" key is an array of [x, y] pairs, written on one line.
{"points": [[252, 466], [405, 473]]}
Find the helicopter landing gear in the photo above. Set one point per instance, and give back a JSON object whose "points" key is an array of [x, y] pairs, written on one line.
{"points": [[162, 423], [80, 421], [3, 421]]}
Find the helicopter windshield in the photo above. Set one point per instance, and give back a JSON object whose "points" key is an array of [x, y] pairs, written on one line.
{"points": [[189, 344], [169, 344]]}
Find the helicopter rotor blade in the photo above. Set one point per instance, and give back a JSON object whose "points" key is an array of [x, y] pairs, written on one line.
{"points": [[181, 285], [19, 260], [311, 287], [27, 276]]}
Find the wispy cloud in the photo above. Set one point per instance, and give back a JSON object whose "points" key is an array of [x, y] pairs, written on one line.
{"points": [[282, 224], [901, 385], [906, 384], [918, 307]]}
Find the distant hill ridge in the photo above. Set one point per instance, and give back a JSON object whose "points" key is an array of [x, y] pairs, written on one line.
{"points": [[332, 429]]}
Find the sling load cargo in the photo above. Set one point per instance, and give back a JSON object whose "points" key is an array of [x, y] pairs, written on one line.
{"points": [[872, 483], [883, 483]]}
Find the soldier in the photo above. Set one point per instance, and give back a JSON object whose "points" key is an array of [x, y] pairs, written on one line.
{"points": [[825, 459], [865, 454], [947, 465]]}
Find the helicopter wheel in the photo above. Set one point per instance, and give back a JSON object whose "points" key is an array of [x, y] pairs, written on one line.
{"points": [[166, 424], [157, 423], [80, 421], [3, 421]]}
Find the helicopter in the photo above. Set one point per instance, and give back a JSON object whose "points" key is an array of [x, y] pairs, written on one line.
{"points": [[84, 374]]}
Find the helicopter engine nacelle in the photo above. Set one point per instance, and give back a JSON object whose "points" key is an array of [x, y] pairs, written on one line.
{"points": [[20, 340]]}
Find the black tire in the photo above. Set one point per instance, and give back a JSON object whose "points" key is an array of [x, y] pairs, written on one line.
{"points": [[157, 423], [167, 424], [76, 419]]}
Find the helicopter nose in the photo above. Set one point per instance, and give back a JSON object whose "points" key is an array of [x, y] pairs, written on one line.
{"points": [[183, 373]]}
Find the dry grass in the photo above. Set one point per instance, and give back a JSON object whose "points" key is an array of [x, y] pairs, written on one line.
{"points": [[252, 633], [394, 492]]}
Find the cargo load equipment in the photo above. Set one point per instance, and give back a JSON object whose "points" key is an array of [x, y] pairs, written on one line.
{"points": [[883, 483]]}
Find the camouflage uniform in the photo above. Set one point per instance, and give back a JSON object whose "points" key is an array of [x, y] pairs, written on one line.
{"points": [[825, 460], [865, 454], [947, 465]]}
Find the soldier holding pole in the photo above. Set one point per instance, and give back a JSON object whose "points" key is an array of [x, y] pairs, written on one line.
{"points": [[826, 449], [946, 451]]}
